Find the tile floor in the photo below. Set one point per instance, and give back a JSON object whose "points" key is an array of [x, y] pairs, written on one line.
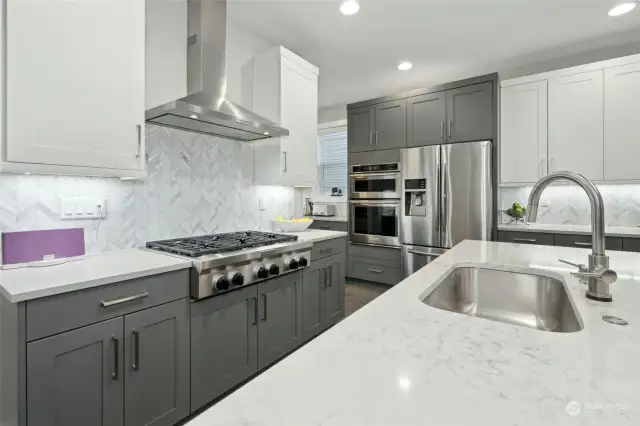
{"points": [[358, 294]]}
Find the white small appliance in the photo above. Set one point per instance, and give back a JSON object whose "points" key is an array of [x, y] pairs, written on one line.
{"points": [[324, 209]]}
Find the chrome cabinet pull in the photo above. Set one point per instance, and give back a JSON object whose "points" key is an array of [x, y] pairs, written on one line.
{"points": [[139, 129], [115, 343], [123, 300], [324, 227], [524, 240], [135, 336], [255, 311], [324, 250], [264, 304], [375, 271], [329, 270], [370, 138], [449, 128], [581, 244], [323, 278], [442, 130], [420, 253], [376, 138], [284, 161]]}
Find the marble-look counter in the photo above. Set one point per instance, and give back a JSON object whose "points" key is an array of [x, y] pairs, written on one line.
{"points": [[399, 362], [612, 231], [317, 235]]}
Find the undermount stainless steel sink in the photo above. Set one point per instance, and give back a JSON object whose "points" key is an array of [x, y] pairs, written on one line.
{"points": [[523, 299]]}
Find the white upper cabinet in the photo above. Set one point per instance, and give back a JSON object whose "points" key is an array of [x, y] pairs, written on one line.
{"points": [[523, 140], [622, 122], [286, 92], [576, 124], [75, 98]]}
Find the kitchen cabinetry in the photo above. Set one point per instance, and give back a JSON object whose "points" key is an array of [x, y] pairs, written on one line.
{"points": [[524, 132], [426, 119], [360, 129], [576, 125], [375, 264], [224, 344], [470, 113], [75, 99], [621, 124], [286, 92], [568, 240], [391, 125]]}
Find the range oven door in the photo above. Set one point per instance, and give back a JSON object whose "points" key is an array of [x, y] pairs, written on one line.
{"points": [[375, 185], [375, 222], [415, 257]]}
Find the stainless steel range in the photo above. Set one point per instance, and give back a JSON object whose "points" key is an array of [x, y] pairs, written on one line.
{"points": [[223, 262]]}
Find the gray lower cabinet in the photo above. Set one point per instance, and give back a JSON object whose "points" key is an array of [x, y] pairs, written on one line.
{"points": [[224, 344], [426, 118], [526, 238], [76, 378], [584, 241], [279, 317], [391, 125], [631, 244], [336, 266], [156, 365], [360, 128], [470, 113], [327, 225]]}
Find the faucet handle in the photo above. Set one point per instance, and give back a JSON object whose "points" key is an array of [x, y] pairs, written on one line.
{"points": [[607, 276], [580, 266]]}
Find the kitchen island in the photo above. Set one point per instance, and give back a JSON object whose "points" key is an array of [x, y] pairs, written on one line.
{"points": [[398, 361]]}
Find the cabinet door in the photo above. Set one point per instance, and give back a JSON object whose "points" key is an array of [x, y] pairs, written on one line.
{"points": [[523, 145], [156, 364], [336, 271], [360, 128], [280, 317], [300, 115], [621, 124], [75, 378], [75, 82], [426, 117], [576, 124], [224, 339], [470, 113], [391, 125], [313, 299]]}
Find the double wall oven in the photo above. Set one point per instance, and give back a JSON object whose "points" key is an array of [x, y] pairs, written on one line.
{"points": [[374, 205]]}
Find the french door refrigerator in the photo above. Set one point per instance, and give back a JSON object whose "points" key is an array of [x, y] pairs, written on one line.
{"points": [[446, 198]]}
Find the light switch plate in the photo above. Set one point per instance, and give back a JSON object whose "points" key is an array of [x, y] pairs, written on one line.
{"points": [[83, 208]]}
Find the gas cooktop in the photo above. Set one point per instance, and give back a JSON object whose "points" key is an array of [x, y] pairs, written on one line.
{"points": [[219, 243]]}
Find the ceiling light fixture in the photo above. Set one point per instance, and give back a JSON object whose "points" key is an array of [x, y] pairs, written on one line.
{"points": [[404, 66], [349, 7], [622, 8]]}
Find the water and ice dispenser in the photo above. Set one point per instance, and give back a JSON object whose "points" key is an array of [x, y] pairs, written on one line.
{"points": [[415, 197]]}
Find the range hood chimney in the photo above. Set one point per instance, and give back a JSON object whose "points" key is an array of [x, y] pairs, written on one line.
{"points": [[207, 110]]}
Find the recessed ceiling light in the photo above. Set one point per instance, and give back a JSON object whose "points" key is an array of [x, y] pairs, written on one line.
{"points": [[622, 8], [194, 116], [349, 7], [404, 66]]}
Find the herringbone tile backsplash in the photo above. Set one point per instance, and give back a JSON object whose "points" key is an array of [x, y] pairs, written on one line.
{"points": [[196, 185]]}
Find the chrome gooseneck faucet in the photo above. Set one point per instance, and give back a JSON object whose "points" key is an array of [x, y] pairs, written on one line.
{"points": [[597, 275]]}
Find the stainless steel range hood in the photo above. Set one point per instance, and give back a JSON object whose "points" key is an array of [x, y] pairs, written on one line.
{"points": [[207, 110]]}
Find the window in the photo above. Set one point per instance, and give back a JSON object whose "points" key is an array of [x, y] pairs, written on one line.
{"points": [[332, 159]]}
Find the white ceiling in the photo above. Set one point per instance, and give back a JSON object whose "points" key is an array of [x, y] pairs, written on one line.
{"points": [[445, 39]]}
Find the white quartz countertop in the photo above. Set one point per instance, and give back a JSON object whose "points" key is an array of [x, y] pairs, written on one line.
{"points": [[612, 231], [317, 235], [87, 271], [400, 362]]}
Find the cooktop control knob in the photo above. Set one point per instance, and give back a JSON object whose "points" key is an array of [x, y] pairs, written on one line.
{"points": [[293, 264], [302, 261], [221, 283], [274, 269], [237, 279], [261, 272]]}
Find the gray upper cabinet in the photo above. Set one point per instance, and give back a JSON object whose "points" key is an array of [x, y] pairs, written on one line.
{"points": [[470, 113], [360, 129], [75, 378], [156, 365], [279, 317], [335, 271], [224, 339], [426, 119], [313, 299], [391, 125]]}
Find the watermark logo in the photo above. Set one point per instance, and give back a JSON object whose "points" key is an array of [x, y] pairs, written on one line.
{"points": [[573, 408]]}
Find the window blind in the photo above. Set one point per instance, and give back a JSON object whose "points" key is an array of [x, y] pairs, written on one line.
{"points": [[332, 159]]}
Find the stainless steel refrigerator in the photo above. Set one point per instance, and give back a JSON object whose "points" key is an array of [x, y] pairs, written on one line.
{"points": [[446, 198]]}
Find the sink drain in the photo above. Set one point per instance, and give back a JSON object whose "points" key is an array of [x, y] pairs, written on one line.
{"points": [[615, 320]]}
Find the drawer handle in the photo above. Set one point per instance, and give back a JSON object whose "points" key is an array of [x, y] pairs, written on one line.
{"points": [[420, 253], [255, 311], [116, 353], [329, 270], [581, 244], [324, 227], [524, 240], [123, 300], [375, 271], [136, 350], [264, 305], [324, 250]]}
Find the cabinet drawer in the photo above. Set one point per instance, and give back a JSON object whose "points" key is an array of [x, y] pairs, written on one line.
{"points": [[526, 237], [55, 314], [326, 225], [630, 244], [584, 241], [326, 248], [384, 253], [374, 272]]}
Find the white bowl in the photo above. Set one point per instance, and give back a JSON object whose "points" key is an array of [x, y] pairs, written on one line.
{"points": [[288, 226]]}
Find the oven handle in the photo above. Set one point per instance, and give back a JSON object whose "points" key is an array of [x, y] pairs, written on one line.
{"points": [[376, 203], [375, 176]]}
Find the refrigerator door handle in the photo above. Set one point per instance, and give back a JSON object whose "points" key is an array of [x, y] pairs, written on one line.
{"points": [[444, 199]]}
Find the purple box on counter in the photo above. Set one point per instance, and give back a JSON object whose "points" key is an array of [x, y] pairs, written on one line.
{"points": [[29, 246]]}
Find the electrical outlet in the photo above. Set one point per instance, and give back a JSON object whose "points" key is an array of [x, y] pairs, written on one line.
{"points": [[83, 208]]}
